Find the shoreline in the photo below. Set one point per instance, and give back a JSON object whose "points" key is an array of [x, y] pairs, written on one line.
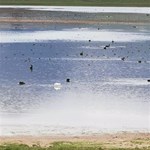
{"points": [[90, 22], [122, 140], [75, 15]]}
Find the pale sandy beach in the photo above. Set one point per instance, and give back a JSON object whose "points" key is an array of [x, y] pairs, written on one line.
{"points": [[120, 140]]}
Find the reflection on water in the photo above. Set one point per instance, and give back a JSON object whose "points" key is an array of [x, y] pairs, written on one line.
{"points": [[84, 9], [73, 35], [107, 90]]}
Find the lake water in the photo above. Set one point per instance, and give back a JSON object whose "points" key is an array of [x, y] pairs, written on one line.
{"points": [[108, 89]]}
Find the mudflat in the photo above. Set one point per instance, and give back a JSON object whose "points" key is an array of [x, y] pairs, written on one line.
{"points": [[22, 15]]}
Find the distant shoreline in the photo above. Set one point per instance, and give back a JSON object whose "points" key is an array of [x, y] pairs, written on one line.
{"points": [[12, 20], [74, 15]]}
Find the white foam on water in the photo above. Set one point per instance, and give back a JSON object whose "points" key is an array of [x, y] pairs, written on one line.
{"points": [[72, 35], [77, 113], [140, 10], [130, 81]]}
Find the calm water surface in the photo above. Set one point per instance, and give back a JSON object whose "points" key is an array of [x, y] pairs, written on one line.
{"points": [[108, 89]]}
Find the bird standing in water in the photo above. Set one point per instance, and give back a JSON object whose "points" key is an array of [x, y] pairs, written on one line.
{"points": [[31, 68]]}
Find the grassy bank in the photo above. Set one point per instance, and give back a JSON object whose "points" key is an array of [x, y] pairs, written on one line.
{"points": [[65, 146], [139, 3]]}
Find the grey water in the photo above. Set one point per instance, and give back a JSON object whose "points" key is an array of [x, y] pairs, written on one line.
{"points": [[108, 88]]}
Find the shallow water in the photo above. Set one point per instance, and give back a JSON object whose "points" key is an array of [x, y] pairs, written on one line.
{"points": [[141, 10], [108, 89]]}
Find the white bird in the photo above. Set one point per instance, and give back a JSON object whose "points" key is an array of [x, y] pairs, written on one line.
{"points": [[57, 86]]}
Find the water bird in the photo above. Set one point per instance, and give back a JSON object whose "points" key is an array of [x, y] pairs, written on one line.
{"points": [[68, 80], [139, 61], [81, 54], [31, 68], [21, 83], [148, 80], [107, 45], [57, 86], [123, 58]]}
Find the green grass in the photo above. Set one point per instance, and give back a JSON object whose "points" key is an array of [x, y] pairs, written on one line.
{"points": [[78, 2], [64, 146]]}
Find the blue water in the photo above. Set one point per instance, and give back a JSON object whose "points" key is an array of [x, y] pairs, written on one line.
{"points": [[105, 93]]}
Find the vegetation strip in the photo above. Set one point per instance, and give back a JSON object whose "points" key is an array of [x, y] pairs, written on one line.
{"points": [[67, 146], [138, 3]]}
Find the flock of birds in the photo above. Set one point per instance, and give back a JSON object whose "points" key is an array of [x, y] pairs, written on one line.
{"points": [[106, 47], [58, 85]]}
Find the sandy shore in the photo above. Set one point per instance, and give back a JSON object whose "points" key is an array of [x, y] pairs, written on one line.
{"points": [[123, 140], [12, 20], [23, 15]]}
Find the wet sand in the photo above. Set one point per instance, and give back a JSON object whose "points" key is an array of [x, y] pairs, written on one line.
{"points": [[23, 15]]}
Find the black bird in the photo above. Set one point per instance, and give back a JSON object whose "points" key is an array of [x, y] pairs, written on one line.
{"points": [[68, 80], [31, 68], [21, 83], [81, 54], [123, 58], [107, 45]]}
